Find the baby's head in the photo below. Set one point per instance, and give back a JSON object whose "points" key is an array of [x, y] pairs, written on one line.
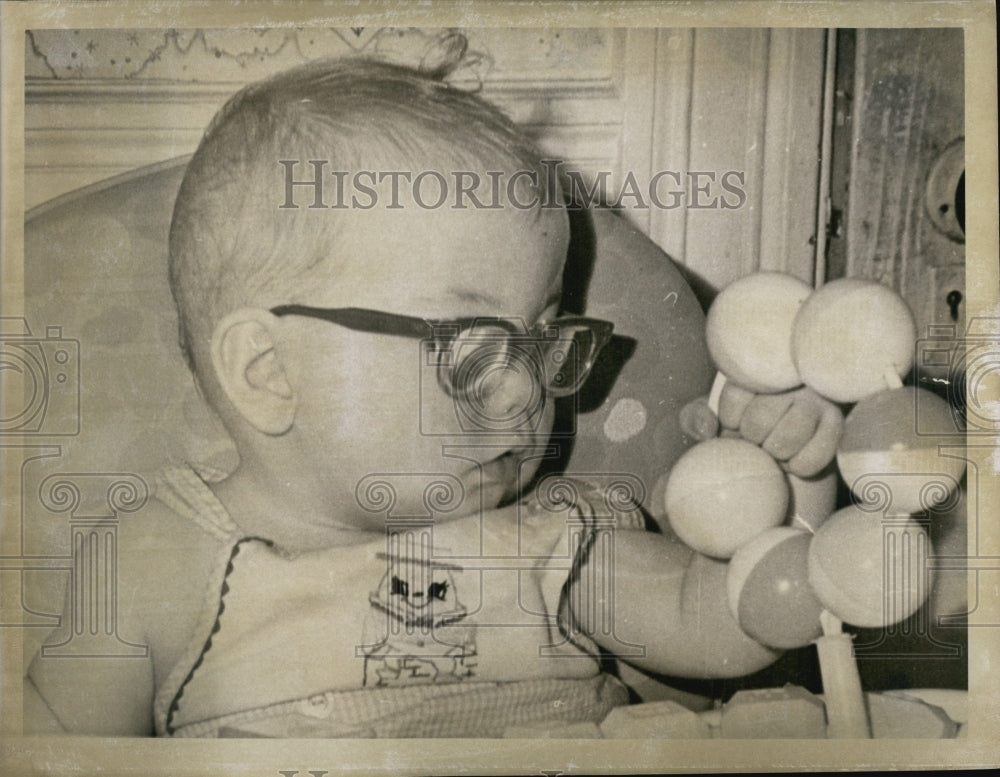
{"points": [[363, 393], [232, 243]]}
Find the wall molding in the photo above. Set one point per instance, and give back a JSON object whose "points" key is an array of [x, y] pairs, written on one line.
{"points": [[81, 128], [635, 101]]}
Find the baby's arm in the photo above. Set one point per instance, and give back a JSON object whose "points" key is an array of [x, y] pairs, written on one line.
{"points": [[163, 562], [74, 692], [104, 695], [671, 601]]}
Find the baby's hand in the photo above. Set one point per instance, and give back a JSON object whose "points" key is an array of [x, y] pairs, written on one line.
{"points": [[798, 428]]}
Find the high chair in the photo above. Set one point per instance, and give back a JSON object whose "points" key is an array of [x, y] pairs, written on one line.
{"points": [[108, 401]]}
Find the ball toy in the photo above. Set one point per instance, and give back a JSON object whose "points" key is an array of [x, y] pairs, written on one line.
{"points": [[868, 570], [889, 450], [749, 330], [849, 336], [723, 492], [767, 586], [812, 500]]}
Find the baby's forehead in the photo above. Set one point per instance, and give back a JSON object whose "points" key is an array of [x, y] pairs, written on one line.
{"points": [[446, 263]]}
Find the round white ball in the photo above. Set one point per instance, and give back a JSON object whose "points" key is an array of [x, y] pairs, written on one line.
{"points": [[848, 335], [723, 492], [749, 330], [869, 571]]}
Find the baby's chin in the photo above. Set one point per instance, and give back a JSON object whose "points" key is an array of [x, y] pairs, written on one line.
{"points": [[506, 477], [511, 495], [490, 497], [492, 494]]}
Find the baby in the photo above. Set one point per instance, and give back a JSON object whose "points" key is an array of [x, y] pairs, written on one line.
{"points": [[384, 346]]}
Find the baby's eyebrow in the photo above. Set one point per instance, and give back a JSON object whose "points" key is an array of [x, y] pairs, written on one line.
{"points": [[472, 296]]}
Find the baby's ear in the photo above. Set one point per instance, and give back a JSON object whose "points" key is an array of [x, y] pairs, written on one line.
{"points": [[250, 372]]}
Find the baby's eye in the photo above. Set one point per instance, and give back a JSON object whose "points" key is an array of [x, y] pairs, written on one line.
{"points": [[468, 362]]}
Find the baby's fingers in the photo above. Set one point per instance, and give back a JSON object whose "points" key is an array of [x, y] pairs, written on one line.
{"points": [[793, 431], [763, 416], [698, 421], [733, 403], [821, 449]]}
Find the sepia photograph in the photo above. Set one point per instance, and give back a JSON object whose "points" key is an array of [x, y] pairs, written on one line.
{"points": [[515, 388]]}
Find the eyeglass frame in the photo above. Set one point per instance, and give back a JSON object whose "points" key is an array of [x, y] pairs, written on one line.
{"points": [[400, 325]]}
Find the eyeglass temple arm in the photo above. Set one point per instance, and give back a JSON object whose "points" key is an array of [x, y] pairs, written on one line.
{"points": [[362, 320]]}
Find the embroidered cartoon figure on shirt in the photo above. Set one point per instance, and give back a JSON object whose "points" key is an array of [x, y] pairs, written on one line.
{"points": [[424, 639]]}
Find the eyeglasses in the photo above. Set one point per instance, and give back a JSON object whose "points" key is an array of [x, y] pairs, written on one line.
{"points": [[473, 354]]}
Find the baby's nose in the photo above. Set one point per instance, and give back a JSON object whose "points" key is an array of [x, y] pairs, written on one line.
{"points": [[509, 391]]}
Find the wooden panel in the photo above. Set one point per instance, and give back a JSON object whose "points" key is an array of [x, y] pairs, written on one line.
{"points": [[751, 100], [790, 173], [672, 131], [908, 108], [727, 134], [637, 137]]}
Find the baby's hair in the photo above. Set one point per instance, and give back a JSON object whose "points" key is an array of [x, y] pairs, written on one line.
{"points": [[231, 245]]}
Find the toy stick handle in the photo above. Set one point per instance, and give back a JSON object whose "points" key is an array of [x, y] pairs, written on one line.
{"points": [[716, 392], [846, 713], [892, 380]]}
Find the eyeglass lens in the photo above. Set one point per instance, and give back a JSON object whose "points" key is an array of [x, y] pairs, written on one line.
{"points": [[481, 360]]}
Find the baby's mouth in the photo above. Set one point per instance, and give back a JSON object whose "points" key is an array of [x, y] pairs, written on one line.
{"points": [[498, 477]]}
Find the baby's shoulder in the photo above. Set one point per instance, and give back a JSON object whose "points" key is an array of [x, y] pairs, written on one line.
{"points": [[165, 561], [157, 539]]}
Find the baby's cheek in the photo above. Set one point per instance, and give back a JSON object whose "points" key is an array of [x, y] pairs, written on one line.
{"points": [[540, 433]]}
